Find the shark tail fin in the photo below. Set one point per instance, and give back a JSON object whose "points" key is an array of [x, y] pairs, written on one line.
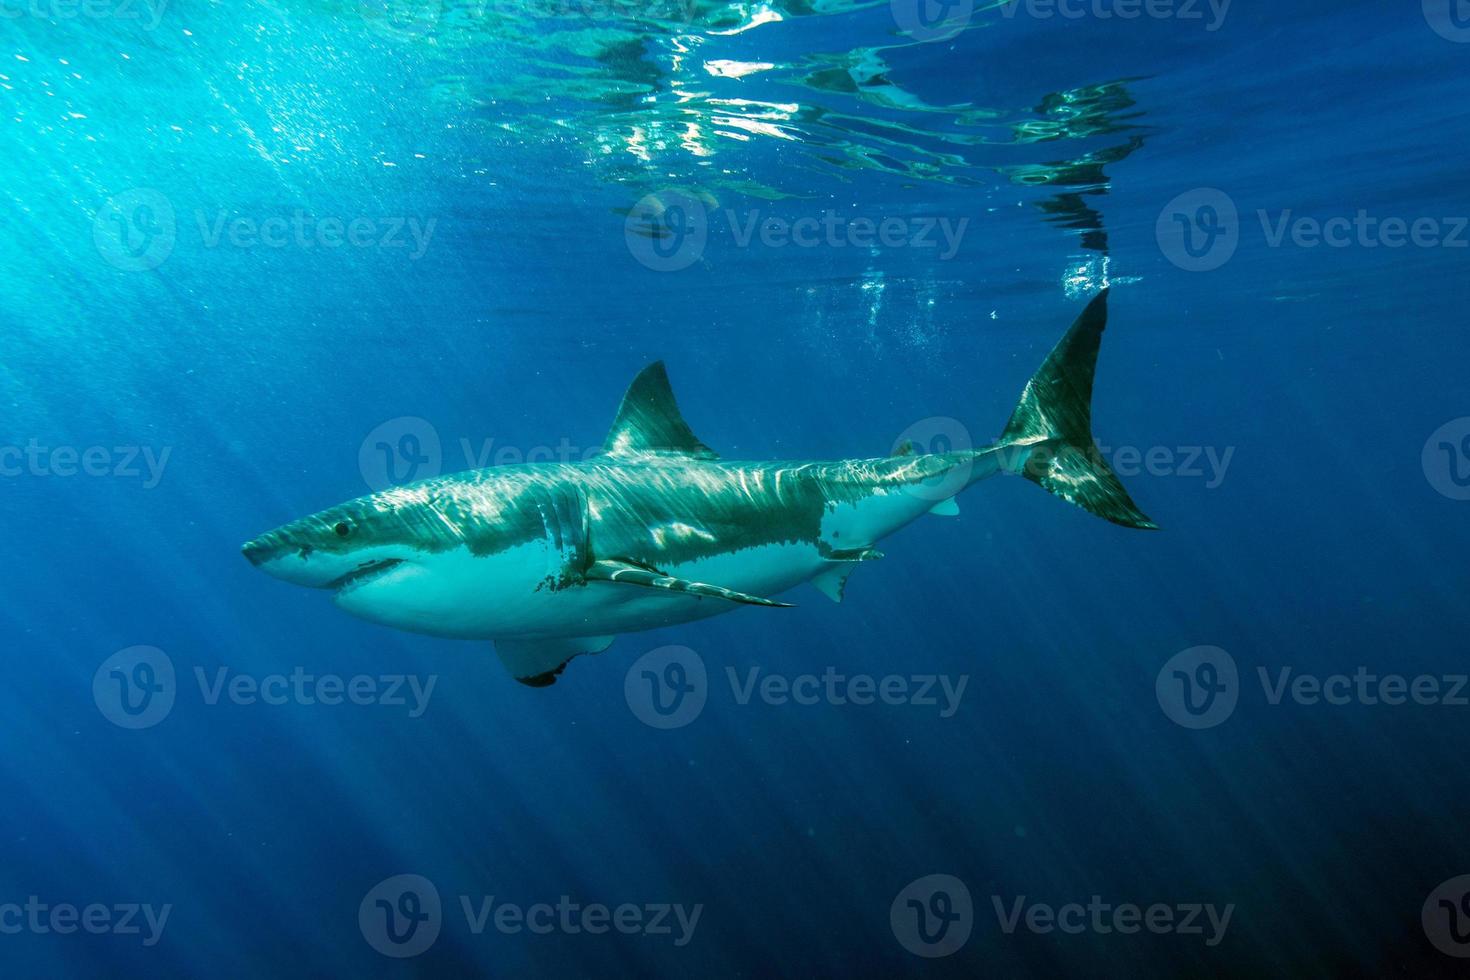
{"points": [[1048, 439]]}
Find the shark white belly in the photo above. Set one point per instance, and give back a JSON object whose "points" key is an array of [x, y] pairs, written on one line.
{"points": [[554, 560]]}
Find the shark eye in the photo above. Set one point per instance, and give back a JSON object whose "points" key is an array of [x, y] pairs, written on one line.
{"points": [[343, 529]]}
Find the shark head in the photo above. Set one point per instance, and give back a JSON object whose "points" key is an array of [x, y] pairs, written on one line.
{"points": [[448, 557], [357, 549]]}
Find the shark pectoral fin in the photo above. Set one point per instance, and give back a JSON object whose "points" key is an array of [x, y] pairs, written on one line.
{"points": [[632, 573], [538, 663], [946, 508]]}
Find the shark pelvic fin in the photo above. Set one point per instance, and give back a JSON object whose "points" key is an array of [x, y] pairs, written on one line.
{"points": [[832, 582], [1048, 439], [629, 572], [947, 507], [649, 421], [538, 663]]}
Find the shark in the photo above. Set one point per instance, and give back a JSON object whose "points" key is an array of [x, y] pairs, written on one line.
{"points": [[551, 561]]}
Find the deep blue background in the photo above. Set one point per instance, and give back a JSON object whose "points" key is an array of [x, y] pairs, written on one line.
{"points": [[1324, 548]]}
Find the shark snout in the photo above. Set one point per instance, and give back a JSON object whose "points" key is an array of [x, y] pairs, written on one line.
{"points": [[256, 551], [269, 547]]}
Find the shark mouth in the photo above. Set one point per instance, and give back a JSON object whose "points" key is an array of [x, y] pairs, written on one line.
{"points": [[367, 572]]}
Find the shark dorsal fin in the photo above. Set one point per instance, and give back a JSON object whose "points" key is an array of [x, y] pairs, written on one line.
{"points": [[649, 420]]}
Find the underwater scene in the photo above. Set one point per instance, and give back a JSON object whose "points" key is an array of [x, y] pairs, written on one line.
{"points": [[683, 488]]}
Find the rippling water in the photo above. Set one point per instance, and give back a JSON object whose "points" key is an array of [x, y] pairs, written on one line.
{"points": [[263, 257]]}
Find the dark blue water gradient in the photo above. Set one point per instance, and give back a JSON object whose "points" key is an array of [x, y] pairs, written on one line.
{"points": [[1325, 547]]}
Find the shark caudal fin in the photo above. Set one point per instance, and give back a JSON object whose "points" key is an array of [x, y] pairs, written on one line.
{"points": [[1049, 437]]}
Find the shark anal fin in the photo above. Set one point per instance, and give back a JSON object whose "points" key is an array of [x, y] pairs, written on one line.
{"points": [[649, 420], [633, 573], [538, 663]]}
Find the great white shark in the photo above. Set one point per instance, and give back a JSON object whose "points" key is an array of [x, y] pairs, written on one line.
{"points": [[553, 560]]}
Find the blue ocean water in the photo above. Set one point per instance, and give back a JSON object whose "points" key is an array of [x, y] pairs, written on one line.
{"points": [[263, 257]]}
